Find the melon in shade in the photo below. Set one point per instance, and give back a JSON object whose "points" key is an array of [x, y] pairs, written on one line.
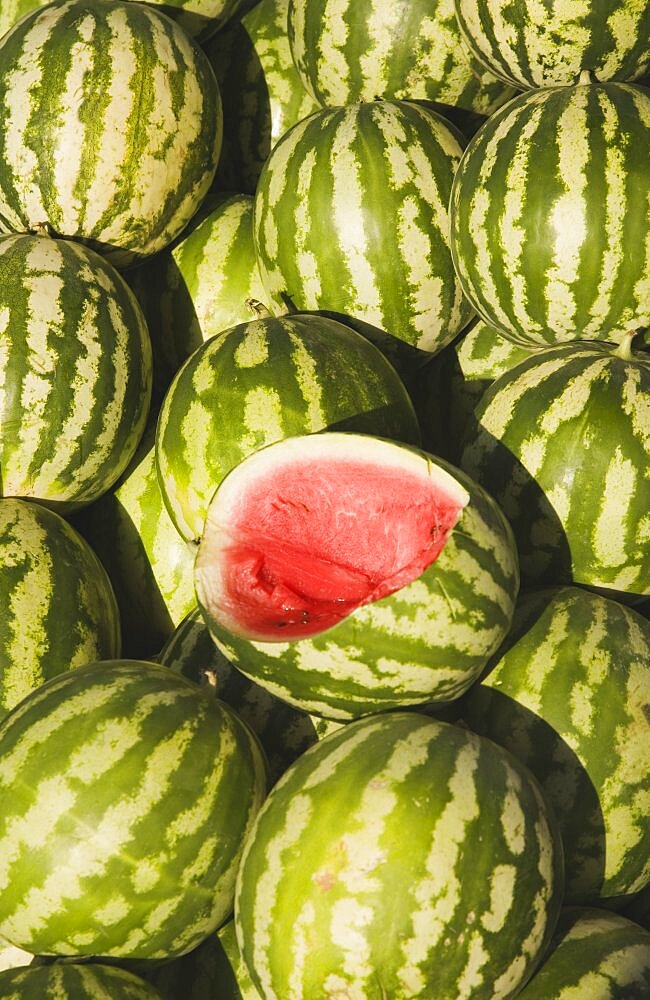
{"points": [[317, 573], [306, 533]]}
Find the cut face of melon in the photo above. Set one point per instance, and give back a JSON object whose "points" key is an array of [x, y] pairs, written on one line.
{"points": [[306, 530]]}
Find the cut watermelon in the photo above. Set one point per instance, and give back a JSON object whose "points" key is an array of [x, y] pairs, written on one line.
{"points": [[305, 531]]}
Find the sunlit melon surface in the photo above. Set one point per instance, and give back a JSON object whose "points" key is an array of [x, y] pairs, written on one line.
{"points": [[305, 531]]}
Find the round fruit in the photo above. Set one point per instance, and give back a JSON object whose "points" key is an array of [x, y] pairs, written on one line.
{"points": [[546, 231], [561, 443], [546, 44], [400, 857], [351, 217], [126, 794], [75, 372], [259, 382], [74, 981], [112, 126], [338, 571], [571, 678]]}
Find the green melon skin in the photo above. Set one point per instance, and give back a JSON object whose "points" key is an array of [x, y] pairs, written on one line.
{"points": [[199, 286], [362, 51], [549, 45], [261, 90], [545, 229], [150, 566], [568, 693], [75, 372], [260, 382], [284, 732], [593, 955], [59, 610], [113, 126], [400, 857], [351, 217], [126, 795], [426, 642], [561, 443], [74, 982]]}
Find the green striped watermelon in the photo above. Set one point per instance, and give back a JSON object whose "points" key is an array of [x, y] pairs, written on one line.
{"points": [[72, 981], [200, 19], [546, 44], [284, 732], [150, 566], [334, 570], [12, 957], [201, 285], [562, 444], [262, 381], [351, 217], [112, 126], [448, 387], [75, 371], [593, 955], [361, 50], [568, 693], [126, 794], [58, 607], [547, 231], [261, 90], [400, 857]]}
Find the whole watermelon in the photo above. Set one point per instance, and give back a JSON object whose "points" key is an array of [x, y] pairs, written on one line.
{"points": [[400, 857], [74, 981], [547, 233], [126, 794], [112, 126]]}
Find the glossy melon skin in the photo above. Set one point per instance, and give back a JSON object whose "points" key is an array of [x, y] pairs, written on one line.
{"points": [[126, 795], [546, 233], [426, 641], [74, 982], [260, 382], [424, 862]]}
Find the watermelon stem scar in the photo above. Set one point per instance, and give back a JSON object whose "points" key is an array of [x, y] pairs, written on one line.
{"points": [[305, 531]]}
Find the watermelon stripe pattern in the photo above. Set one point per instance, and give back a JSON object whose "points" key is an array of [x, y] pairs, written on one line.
{"points": [[573, 676], [74, 982], [75, 371], [262, 381], [351, 217], [549, 215], [550, 44], [359, 51], [88, 150], [351, 915], [593, 953], [58, 607], [575, 493], [99, 772]]}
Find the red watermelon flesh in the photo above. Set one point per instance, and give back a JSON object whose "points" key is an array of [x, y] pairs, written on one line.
{"points": [[294, 545]]}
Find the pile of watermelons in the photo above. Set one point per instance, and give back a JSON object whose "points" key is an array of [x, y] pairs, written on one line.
{"points": [[325, 500]]}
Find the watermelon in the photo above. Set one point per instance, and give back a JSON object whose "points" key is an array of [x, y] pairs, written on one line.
{"points": [[261, 91], [126, 794], [638, 908], [362, 50], [400, 857], [150, 566], [547, 235], [546, 44], [262, 381], [74, 981], [572, 677], [593, 955], [351, 217], [200, 19], [75, 372], [11, 957], [334, 570], [58, 607], [561, 442], [283, 731], [112, 126], [200, 285]]}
